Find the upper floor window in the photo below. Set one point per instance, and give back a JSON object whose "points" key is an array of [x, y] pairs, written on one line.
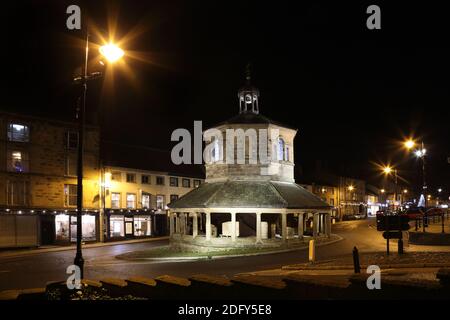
{"points": [[115, 200], [145, 179], [116, 176], [131, 178], [71, 139], [173, 197], [197, 183], [160, 181], [160, 202], [70, 195], [17, 161], [131, 201], [173, 181], [145, 200], [18, 132], [282, 150], [186, 183], [17, 193]]}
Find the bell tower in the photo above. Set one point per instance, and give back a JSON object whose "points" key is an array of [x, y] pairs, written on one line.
{"points": [[248, 95]]}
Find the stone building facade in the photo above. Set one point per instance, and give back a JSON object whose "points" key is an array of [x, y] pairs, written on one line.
{"points": [[38, 180]]}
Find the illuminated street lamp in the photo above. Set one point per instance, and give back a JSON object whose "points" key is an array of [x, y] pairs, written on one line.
{"points": [[409, 144], [387, 170], [350, 188], [112, 53]]}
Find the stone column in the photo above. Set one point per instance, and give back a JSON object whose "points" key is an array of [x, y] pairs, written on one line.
{"points": [[258, 227], [328, 231], [208, 225], [300, 225], [171, 223], [284, 226], [233, 226], [177, 223], [194, 225], [315, 224]]}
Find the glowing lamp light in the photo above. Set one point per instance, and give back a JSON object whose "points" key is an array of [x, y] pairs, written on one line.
{"points": [[383, 191], [409, 144], [387, 170], [111, 52], [351, 188]]}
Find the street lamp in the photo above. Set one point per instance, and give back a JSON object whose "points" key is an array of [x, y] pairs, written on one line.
{"points": [[112, 53], [419, 153], [387, 170]]}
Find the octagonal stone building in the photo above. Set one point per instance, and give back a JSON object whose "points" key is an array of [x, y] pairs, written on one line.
{"points": [[245, 201]]}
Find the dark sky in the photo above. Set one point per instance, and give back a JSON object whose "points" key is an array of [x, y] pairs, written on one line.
{"points": [[353, 93]]}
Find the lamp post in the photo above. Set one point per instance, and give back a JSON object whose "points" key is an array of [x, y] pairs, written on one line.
{"points": [[112, 53], [420, 153], [388, 170]]}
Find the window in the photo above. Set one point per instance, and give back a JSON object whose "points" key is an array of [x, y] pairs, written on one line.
{"points": [[186, 183], [280, 149], [173, 182], [116, 176], [71, 165], [215, 151], [87, 228], [131, 178], [197, 183], [17, 193], [70, 195], [142, 226], [159, 202], [145, 179], [17, 161], [115, 200], [18, 132], [173, 197], [160, 181], [116, 226], [71, 139], [286, 154], [131, 201], [62, 227], [145, 200], [332, 202]]}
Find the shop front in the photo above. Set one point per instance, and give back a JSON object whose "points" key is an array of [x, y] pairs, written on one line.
{"points": [[66, 227], [129, 224]]}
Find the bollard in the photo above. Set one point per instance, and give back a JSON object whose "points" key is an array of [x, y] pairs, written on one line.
{"points": [[442, 223], [312, 251], [356, 265], [400, 246]]}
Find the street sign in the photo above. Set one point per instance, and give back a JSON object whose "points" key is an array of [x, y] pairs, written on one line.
{"points": [[392, 235], [392, 223]]}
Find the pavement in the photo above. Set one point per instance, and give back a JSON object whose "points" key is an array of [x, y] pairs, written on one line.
{"points": [[35, 270], [46, 249]]}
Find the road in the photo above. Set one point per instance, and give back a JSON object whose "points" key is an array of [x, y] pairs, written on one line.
{"points": [[36, 270]]}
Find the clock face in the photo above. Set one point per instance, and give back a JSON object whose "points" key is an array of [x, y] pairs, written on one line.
{"points": [[248, 98]]}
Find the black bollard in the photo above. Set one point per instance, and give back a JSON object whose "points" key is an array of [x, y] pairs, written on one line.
{"points": [[400, 246], [356, 265]]}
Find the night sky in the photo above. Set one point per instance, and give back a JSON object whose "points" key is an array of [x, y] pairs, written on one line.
{"points": [[353, 93]]}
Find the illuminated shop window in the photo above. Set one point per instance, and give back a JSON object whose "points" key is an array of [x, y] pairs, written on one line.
{"points": [[87, 228], [62, 227], [116, 226], [142, 226]]}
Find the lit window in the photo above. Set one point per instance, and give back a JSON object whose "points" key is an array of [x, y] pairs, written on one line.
{"points": [[116, 226], [115, 200], [18, 132], [17, 161], [70, 195], [280, 149], [160, 202], [197, 183], [131, 201], [215, 151], [145, 201]]}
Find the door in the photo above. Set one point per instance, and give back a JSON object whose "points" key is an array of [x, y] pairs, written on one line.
{"points": [[47, 229], [129, 229]]}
